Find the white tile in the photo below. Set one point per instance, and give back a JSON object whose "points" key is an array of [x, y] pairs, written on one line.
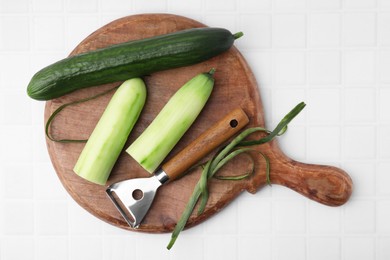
{"points": [[359, 4], [13, 153], [18, 218], [383, 4], [116, 6], [384, 66], [359, 248], [221, 20], [13, 81], [290, 5], [359, 217], [51, 218], [324, 4], [323, 105], [15, 6], [17, 107], [251, 221], [82, 222], [187, 8], [220, 5], [384, 28], [18, 181], [86, 248], [324, 67], [47, 185], [82, 6], [324, 29], [384, 105], [290, 68], [17, 36], [356, 147], [363, 177], [39, 147], [359, 67], [150, 6], [16, 248], [359, 29], [220, 247], [255, 37], [289, 30], [323, 219], [284, 100], [266, 100], [222, 223], [383, 178], [188, 247], [261, 65], [250, 6], [38, 122], [2, 107], [384, 142], [111, 230], [290, 216], [48, 33], [323, 142], [293, 142], [52, 247], [119, 247], [383, 216], [324, 248], [246, 244], [289, 248], [360, 104], [76, 33], [144, 251], [383, 249], [47, 5]]}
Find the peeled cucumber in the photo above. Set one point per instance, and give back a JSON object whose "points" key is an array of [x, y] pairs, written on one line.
{"points": [[159, 138], [111, 132]]}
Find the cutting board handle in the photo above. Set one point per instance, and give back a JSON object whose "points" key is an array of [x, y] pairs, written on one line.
{"points": [[328, 185]]}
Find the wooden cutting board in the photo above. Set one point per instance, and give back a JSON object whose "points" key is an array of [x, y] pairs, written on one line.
{"points": [[235, 86]]}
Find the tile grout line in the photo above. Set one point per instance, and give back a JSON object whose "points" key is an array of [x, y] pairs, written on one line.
{"points": [[376, 120], [34, 164], [306, 90], [342, 121]]}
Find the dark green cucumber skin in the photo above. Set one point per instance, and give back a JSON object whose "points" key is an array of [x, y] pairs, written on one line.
{"points": [[128, 60]]}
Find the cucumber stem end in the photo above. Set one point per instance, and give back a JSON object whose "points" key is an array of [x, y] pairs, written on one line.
{"points": [[238, 35]]}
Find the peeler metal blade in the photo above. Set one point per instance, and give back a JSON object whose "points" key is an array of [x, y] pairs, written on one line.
{"points": [[134, 197]]}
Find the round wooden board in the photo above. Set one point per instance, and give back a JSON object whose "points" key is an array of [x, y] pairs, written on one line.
{"points": [[235, 86]]}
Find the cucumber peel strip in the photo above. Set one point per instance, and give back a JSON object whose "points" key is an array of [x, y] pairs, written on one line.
{"points": [[62, 107], [224, 156]]}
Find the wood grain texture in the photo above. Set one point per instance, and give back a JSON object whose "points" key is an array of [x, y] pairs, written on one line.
{"points": [[235, 87]]}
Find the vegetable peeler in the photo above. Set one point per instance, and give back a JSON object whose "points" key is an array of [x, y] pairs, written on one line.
{"points": [[134, 197]]}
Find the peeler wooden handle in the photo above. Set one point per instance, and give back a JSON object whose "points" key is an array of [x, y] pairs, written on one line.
{"points": [[205, 143]]}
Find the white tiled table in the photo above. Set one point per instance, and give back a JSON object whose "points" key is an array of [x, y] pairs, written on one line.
{"points": [[332, 54]]}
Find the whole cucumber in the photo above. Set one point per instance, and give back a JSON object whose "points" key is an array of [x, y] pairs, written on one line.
{"points": [[128, 60]]}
